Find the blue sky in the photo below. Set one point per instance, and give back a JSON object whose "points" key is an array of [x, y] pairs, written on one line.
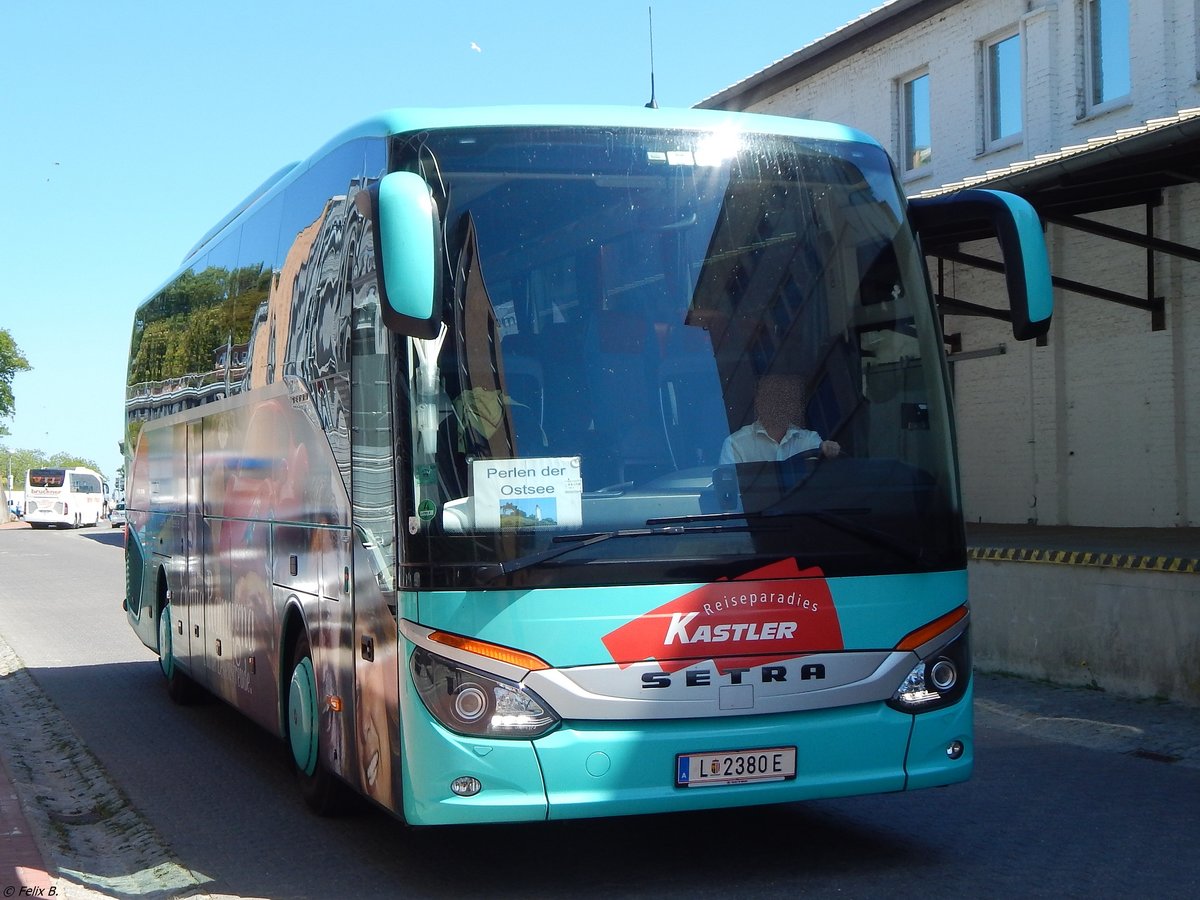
{"points": [[130, 128]]}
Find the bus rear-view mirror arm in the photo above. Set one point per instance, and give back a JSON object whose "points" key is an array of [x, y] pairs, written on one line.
{"points": [[974, 214]]}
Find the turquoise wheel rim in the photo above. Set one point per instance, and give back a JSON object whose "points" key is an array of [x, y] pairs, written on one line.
{"points": [[166, 655], [302, 716]]}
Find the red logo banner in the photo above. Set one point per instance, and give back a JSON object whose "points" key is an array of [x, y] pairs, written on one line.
{"points": [[773, 613]]}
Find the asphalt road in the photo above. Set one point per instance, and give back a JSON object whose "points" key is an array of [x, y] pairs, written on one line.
{"points": [[1076, 793]]}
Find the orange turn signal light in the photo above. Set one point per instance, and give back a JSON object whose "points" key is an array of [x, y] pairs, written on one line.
{"points": [[926, 633], [492, 651]]}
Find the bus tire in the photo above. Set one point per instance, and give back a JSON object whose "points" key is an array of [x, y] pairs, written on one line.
{"points": [[180, 687], [319, 787]]}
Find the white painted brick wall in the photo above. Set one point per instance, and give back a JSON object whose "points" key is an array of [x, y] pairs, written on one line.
{"points": [[1102, 425]]}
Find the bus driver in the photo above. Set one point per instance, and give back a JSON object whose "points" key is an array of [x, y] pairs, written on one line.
{"points": [[777, 431]]}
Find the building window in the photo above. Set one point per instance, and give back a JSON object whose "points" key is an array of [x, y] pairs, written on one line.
{"points": [[1002, 90], [916, 150], [1106, 50]]}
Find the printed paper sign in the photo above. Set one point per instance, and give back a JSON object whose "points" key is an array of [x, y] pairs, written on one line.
{"points": [[545, 492], [773, 613]]}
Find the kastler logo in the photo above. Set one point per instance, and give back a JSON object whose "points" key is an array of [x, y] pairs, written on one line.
{"points": [[773, 613]]}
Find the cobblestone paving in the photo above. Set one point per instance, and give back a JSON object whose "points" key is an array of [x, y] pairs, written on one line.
{"points": [[86, 829]]}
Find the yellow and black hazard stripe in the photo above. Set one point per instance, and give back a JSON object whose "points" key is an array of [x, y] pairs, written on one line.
{"points": [[1131, 561]]}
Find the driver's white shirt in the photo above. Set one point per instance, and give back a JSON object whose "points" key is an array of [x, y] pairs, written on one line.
{"points": [[751, 443]]}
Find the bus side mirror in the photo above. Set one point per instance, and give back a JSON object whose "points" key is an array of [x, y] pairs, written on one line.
{"points": [[407, 235], [975, 214]]}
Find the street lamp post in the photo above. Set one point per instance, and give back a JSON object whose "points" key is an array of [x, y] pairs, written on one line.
{"points": [[8, 486]]}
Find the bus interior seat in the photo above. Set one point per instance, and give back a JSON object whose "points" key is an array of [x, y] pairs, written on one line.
{"points": [[836, 396], [691, 402], [525, 386], [565, 414], [692, 410], [621, 351]]}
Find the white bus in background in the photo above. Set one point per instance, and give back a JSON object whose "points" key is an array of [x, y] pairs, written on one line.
{"points": [[69, 498]]}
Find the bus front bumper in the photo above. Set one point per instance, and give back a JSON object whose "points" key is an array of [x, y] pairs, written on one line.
{"points": [[590, 769]]}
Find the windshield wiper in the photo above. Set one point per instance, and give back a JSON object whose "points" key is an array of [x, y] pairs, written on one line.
{"points": [[578, 541], [569, 543], [843, 523]]}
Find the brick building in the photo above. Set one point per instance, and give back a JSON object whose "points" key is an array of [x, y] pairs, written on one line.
{"points": [[1088, 109]]}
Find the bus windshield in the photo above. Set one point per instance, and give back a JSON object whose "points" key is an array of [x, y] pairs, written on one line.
{"points": [[619, 303], [47, 478]]}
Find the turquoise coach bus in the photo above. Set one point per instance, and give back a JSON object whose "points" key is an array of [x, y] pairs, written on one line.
{"points": [[431, 469]]}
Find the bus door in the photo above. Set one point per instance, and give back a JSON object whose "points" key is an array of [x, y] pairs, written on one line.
{"points": [[335, 654], [188, 606], [376, 682]]}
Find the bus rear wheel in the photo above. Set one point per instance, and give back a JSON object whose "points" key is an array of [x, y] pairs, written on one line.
{"points": [[320, 788]]}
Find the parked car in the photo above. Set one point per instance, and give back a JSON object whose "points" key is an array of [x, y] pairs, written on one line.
{"points": [[117, 516]]}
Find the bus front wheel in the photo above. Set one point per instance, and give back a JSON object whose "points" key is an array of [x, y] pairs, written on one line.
{"points": [[180, 686], [319, 787]]}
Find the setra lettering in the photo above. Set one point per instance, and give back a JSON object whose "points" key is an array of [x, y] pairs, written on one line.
{"points": [[704, 677]]}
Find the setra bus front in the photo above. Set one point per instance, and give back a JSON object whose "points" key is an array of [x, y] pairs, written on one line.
{"points": [[681, 526]]}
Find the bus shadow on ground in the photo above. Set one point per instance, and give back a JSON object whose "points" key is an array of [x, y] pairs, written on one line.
{"points": [[214, 792], [114, 537]]}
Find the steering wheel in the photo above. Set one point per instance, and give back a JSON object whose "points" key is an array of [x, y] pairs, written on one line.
{"points": [[814, 453]]}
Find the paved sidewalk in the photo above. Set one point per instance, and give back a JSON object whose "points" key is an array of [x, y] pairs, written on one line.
{"points": [[1151, 729]]}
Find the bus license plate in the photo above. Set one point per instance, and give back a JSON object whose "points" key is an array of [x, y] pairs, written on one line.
{"points": [[735, 767]]}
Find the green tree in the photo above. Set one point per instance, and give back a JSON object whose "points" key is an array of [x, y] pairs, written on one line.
{"points": [[11, 362], [16, 463], [149, 361], [70, 460], [181, 329]]}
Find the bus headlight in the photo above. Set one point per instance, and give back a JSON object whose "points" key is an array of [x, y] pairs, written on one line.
{"points": [[938, 681], [471, 702]]}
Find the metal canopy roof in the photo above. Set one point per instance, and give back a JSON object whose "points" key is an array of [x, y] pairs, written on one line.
{"points": [[1107, 172], [1126, 169]]}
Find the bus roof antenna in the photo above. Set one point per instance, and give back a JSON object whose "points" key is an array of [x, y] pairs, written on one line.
{"points": [[653, 104]]}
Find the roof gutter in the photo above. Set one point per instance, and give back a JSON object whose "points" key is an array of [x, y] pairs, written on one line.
{"points": [[870, 29]]}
